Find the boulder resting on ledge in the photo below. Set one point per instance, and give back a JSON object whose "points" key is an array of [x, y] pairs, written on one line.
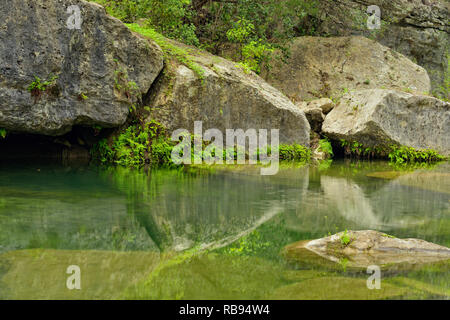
{"points": [[223, 96], [380, 117], [326, 67]]}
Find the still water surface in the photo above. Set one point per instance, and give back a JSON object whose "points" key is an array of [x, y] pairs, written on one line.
{"points": [[211, 233]]}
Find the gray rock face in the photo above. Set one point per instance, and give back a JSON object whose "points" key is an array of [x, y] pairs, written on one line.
{"points": [[325, 104], [384, 117], [370, 247], [314, 115], [416, 28], [315, 111], [35, 41], [327, 67], [227, 98]]}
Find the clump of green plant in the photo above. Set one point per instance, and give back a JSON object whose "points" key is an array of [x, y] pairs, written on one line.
{"points": [[396, 154], [358, 150], [38, 87], [325, 146], [403, 154], [343, 262], [170, 50], [294, 152], [82, 97], [345, 239], [136, 146], [3, 133], [247, 245]]}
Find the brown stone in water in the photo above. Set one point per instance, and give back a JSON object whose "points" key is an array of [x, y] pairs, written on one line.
{"points": [[370, 247]]}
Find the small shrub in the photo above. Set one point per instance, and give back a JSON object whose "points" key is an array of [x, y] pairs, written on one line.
{"points": [[82, 97], [38, 86], [345, 238], [325, 146]]}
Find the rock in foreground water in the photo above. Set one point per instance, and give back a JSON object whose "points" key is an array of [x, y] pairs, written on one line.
{"points": [[361, 249]]}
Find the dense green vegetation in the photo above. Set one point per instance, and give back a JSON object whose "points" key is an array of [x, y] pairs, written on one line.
{"points": [[396, 154], [136, 146], [149, 143], [244, 30]]}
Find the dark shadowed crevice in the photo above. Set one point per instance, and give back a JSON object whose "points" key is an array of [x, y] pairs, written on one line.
{"points": [[147, 98], [71, 147]]}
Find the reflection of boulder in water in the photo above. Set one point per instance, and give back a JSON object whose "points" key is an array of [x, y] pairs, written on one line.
{"points": [[350, 201], [432, 181], [437, 180], [412, 199], [366, 248], [394, 205], [210, 210]]}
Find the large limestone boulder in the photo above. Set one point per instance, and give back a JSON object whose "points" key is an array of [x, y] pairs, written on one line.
{"points": [[326, 67], [365, 248], [95, 66], [419, 29], [384, 117], [224, 96]]}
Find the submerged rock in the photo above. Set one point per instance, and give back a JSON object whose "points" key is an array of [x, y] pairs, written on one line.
{"points": [[325, 67], [365, 248], [385, 117], [93, 72]]}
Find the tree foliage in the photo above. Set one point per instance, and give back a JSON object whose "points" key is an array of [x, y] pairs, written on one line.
{"points": [[245, 30]]}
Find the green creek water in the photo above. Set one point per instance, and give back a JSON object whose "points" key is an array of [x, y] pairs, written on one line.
{"points": [[211, 233]]}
